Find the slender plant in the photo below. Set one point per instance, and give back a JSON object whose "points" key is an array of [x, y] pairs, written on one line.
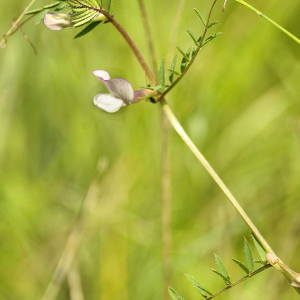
{"points": [[91, 13]]}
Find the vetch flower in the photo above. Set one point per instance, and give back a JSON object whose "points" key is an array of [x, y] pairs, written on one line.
{"points": [[121, 93], [57, 21]]}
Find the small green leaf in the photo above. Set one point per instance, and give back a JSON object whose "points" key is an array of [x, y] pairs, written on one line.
{"points": [[240, 264], [260, 249], [225, 279], [192, 37], [35, 11], [174, 294], [52, 5], [87, 29], [182, 52], [213, 24], [209, 39], [200, 16], [173, 66], [60, 7], [222, 267], [40, 17], [201, 289], [185, 60], [249, 256], [161, 75], [158, 87]]}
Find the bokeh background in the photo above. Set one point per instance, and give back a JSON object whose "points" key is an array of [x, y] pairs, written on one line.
{"points": [[240, 105]]}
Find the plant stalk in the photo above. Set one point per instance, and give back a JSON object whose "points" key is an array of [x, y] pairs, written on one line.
{"points": [[228, 287], [177, 126], [15, 25], [269, 20]]}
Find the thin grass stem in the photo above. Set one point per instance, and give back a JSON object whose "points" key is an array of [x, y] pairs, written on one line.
{"points": [[177, 126], [149, 36], [15, 25], [269, 20]]}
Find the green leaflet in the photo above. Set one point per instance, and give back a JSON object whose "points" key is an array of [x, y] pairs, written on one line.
{"points": [[52, 5], [161, 74], [240, 264], [201, 289], [158, 87], [172, 69], [260, 249], [192, 37], [222, 267], [174, 294], [32, 12], [87, 29], [200, 16], [249, 256], [213, 24], [60, 6], [40, 17], [209, 39], [225, 279], [184, 61], [182, 52]]}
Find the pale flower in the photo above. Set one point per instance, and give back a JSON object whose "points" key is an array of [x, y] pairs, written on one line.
{"points": [[121, 93], [57, 21]]}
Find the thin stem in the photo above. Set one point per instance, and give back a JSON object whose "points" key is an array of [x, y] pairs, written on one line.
{"points": [[166, 91], [149, 36], [174, 29], [127, 38], [166, 206], [213, 173], [15, 25], [166, 200], [228, 287], [268, 19], [67, 258]]}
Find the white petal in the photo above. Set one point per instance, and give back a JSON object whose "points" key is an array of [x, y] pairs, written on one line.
{"points": [[57, 21], [103, 74], [108, 103], [119, 87]]}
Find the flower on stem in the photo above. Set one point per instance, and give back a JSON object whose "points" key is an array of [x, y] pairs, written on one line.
{"points": [[58, 21], [121, 93]]}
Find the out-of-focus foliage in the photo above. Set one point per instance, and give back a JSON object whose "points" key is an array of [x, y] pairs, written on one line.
{"points": [[239, 103]]}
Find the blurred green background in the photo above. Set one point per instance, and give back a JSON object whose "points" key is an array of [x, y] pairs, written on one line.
{"points": [[240, 105]]}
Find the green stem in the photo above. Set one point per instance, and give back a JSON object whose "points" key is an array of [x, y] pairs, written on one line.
{"points": [[166, 199], [228, 287], [213, 174], [15, 25], [268, 19]]}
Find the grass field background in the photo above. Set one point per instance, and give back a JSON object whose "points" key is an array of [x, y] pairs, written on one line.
{"points": [[240, 105]]}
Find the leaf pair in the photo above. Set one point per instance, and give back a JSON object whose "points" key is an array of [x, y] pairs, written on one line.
{"points": [[249, 267]]}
